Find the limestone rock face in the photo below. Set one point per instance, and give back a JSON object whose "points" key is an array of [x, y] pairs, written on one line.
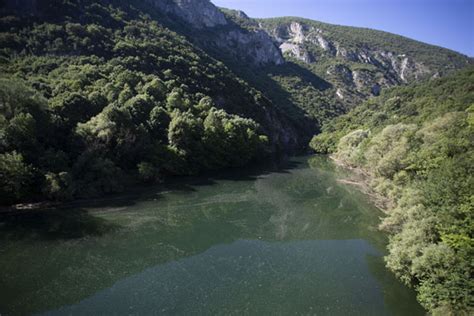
{"points": [[355, 71], [295, 38], [323, 43], [296, 33], [297, 52], [255, 47]]}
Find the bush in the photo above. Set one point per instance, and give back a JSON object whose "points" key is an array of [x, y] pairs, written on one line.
{"points": [[348, 148], [58, 186], [16, 178], [148, 172]]}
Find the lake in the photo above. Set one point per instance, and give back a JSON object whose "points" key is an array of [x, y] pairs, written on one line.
{"points": [[276, 240]]}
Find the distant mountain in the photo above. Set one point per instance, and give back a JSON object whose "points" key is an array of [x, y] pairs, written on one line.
{"points": [[329, 68]]}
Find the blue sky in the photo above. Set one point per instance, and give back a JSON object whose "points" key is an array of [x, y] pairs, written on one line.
{"points": [[447, 23]]}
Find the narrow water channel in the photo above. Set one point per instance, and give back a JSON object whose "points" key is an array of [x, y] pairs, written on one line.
{"points": [[263, 241]]}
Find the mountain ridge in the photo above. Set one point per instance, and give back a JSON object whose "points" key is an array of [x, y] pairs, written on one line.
{"points": [[350, 70]]}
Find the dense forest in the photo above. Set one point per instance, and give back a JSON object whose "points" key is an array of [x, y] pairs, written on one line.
{"points": [[102, 95], [417, 144]]}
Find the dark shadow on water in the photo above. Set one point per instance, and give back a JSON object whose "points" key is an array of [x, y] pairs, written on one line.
{"points": [[74, 220], [53, 224]]}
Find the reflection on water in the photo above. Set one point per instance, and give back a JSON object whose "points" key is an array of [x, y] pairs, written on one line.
{"points": [[290, 240]]}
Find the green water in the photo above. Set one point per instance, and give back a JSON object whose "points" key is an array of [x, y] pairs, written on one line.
{"points": [[266, 241]]}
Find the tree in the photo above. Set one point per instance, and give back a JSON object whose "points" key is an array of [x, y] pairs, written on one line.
{"points": [[205, 104], [148, 172], [175, 101], [139, 108], [21, 134], [16, 177], [348, 149], [74, 108], [58, 186], [185, 133], [158, 122], [156, 89], [95, 175]]}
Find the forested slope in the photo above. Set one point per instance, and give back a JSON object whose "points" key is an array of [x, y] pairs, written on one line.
{"points": [[93, 94], [417, 144]]}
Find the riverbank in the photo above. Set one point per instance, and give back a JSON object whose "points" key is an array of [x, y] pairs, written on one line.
{"points": [[134, 190], [361, 179]]}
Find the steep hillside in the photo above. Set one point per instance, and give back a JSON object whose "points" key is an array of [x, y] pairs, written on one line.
{"points": [[417, 145], [94, 93], [331, 68]]}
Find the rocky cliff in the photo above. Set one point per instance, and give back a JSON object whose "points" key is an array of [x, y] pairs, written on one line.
{"points": [[320, 68], [363, 60], [210, 28], [310, 44]]}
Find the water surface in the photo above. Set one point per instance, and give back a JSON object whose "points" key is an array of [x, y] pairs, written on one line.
{"points": [[282, 240]]}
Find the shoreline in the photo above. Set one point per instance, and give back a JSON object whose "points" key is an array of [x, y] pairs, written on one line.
{"points": [[29, 207], [136, 189], [362, 183], [360, 179]]}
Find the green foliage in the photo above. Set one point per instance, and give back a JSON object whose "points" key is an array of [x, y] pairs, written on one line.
{"points": [[420, 154], [58, 186], [232, 140], [185, 133], [386, 151], [96, 175], [346, 72], [100, 94], [15, 176], [175, 101], [148, 172], [348, 147], [412, 104]]}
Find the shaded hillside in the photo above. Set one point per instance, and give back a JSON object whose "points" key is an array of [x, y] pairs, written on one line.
{"points": [[92, 94]]}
